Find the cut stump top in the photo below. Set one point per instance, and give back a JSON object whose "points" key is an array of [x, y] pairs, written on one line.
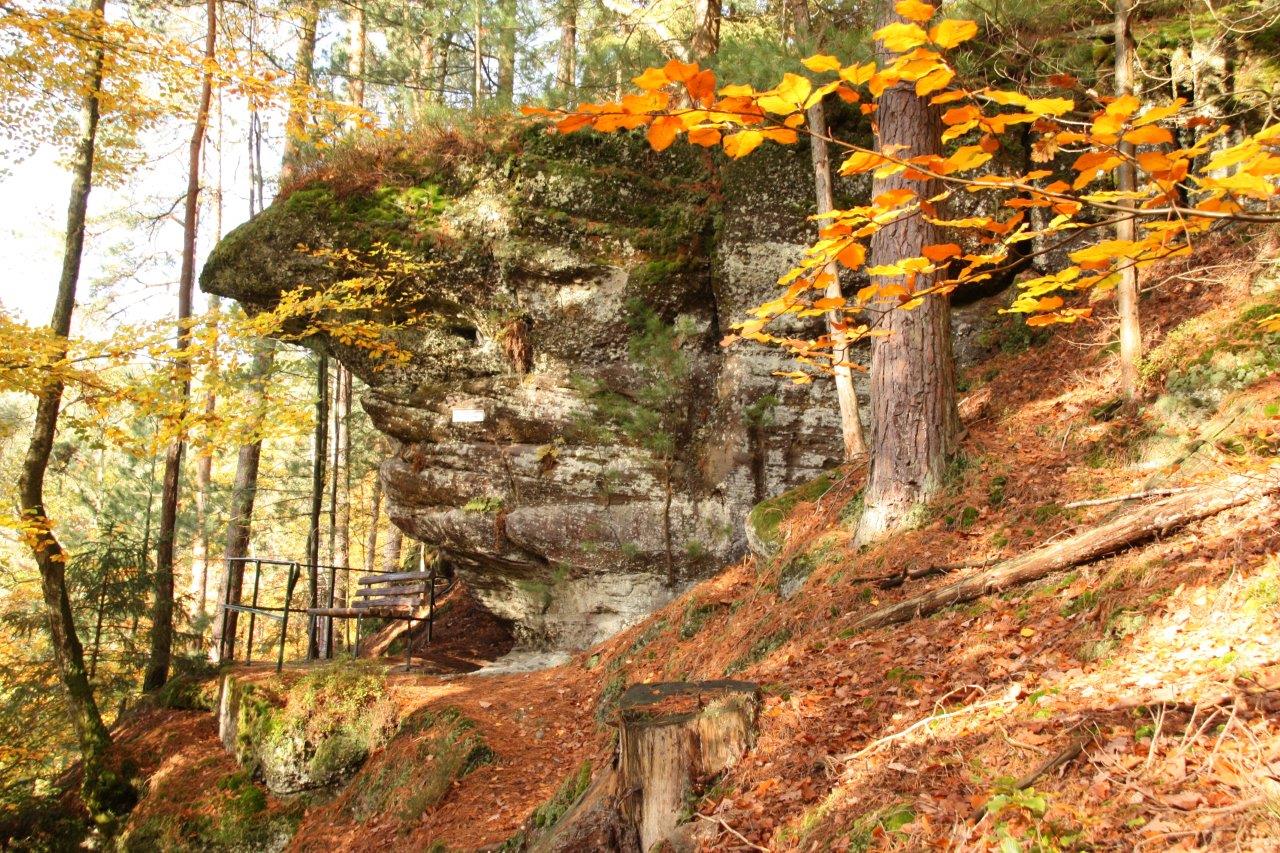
{"points": [[668, 702]]}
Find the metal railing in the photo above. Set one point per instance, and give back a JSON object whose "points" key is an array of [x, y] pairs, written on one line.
{"points": [[230, 626]]}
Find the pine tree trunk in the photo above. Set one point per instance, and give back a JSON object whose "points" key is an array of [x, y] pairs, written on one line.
{"points": [[375, 514], [157, 672], [914, 423], [357, 39], [1126, 181], [567, 57], [855, 444], [244, 491], [391, 551], [507, 53], [295, 125], [706, 29], [317, 500]]}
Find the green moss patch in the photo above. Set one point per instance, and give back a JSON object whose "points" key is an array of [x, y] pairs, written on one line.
{"points": [[433, 750], [767, 516]]}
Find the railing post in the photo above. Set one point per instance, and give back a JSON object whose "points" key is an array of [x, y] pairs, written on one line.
{"points": [[431, 608], [284, 621], [248, 649], [226, 645]]}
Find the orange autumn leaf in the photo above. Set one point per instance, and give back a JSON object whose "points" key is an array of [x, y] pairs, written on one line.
{"points": [[652, 79], [663, 132], [939, 252], [1149, 135]]}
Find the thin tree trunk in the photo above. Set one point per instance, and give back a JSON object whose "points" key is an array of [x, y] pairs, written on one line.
{"points": [[375, 512], [342, 473], [914, 422], [428, 95], [91, 733], [507, 53], [317, 499], [567, 57], [706, 29], [244, 491], [855, 444], [357, 38], [157, 672], [1126, 181], [295, 125], [477, 56], [199, 588]]}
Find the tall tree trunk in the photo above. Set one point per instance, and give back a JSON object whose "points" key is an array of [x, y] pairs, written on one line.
{"points": [[198, 591], [428, 93], [1126, 181], [100, 789], [477, 55], [357, 39], [706, 29], [567, 57], [914, 423], [391, 551], [317, 499], [507, 53], [855, 444], [244, 491], [295, 125], [157, 672], [375, 513], [342, 470]]}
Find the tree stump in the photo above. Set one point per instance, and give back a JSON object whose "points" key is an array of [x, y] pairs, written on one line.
{"points": [[674, 735]]}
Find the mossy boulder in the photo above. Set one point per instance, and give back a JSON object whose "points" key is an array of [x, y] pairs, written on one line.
{"points": [[314, 734]]}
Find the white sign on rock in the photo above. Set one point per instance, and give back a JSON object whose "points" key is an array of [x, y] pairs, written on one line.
{"points": [[468, 416]]}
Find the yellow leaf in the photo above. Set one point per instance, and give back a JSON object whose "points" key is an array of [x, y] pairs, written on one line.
{"points": [[1050, 106], [934, 80], [742, 143], [663, 132], [900, 37], [952, 32], [914, 10], [1008, 99], [652, 79], [821, 62], [858, 75], [737, 90], [966, 157], [860, 161], [794, 88]]}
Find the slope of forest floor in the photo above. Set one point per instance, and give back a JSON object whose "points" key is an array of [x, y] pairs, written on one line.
{"points": [[1149, 680]]}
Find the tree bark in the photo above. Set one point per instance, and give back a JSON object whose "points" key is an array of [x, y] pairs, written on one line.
{"points": [[914, 423], [244, 492], [198, 591], [342, 479], [477, 55], [391, 551], [706, 30], [1126, 181], [357, 39], [317, 499], [375, 514], [157, 672], [855, 444], [507, 53], [1134, 526], [91, 734], [295, 125], [567, 57]]}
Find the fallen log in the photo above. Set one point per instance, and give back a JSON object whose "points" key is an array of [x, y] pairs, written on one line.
{"points": [[1115, 499], [1133, 526]]}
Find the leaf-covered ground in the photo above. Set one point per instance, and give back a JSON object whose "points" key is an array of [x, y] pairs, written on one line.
{"points": [[1153, 676]]}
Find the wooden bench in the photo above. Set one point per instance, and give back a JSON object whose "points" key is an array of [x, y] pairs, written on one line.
{"points": [[394, 595]]}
